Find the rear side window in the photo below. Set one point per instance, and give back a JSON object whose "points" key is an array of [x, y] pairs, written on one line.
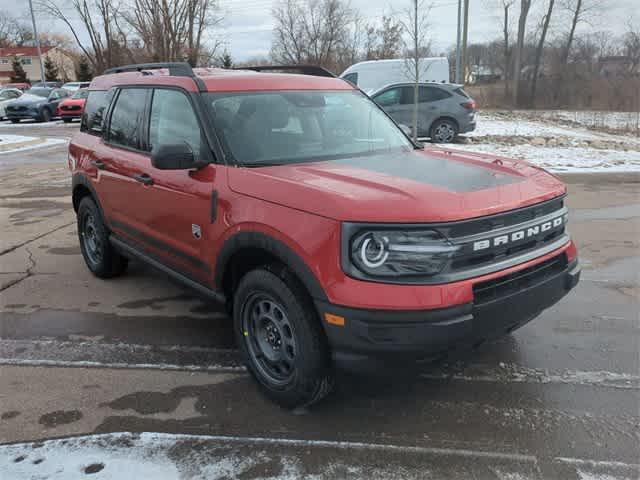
{"points": [[125, 127], [432, 94], [352, 78], [173, 121], [93, 115], [462, 93]]}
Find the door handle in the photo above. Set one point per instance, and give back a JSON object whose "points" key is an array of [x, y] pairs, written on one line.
{"points": [[100, 165], [144, 178]]}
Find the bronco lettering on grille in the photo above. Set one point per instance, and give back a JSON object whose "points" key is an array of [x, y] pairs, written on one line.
{"points": [[517, 235]]}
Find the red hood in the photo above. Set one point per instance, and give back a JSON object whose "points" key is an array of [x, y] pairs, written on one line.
{"points": [[416, 186]]}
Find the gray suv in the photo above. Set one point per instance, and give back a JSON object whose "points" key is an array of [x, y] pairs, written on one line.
{"points": [[445, 109]]}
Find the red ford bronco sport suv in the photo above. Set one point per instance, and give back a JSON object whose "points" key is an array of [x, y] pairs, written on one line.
{"points": [[332, 238]]}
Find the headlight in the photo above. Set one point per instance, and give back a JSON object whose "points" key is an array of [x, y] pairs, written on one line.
{"points": [[398, 253]]}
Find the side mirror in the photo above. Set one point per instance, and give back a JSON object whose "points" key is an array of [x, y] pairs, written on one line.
{"points": [[405, 129], [177, 156]]}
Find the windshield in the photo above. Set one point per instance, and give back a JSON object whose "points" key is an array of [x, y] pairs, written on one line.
{"points": [[266, 128], [40, 92], [82, 93]]}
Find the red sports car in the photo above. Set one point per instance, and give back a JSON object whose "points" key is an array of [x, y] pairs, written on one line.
{"points": [[73, 107]]}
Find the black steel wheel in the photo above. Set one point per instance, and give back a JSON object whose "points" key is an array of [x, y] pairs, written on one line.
{"points": [[99, 255], [281, 339]]}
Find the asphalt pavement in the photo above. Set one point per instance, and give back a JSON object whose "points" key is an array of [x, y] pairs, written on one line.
{"points": [[93, 370]]}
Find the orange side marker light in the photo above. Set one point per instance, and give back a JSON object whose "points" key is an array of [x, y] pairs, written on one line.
{"points": [[334, 319]]}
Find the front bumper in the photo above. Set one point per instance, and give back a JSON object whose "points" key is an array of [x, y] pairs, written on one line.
{"points": [[26, 114], [374, 340]]}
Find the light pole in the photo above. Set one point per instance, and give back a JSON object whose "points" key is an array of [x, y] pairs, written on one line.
{"points": [[458, 41], [37, 39]]}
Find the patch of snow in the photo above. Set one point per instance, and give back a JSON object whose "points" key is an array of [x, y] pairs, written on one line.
{"points": [[563, 159], [53, 123], [23, 143], [629, 121]]}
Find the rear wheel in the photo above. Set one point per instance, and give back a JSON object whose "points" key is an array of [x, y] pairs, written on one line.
{"points": [[443, 131], [99, 255], [280, 338]]}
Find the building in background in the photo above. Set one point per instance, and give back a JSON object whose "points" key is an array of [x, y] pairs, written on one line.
{"points": [[31, 63]]}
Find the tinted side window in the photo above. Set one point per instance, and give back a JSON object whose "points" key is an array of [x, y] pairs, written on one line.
{"points": [[173, 121], [388, 98], [125, 127], [351, 77], [94, 108], [432, 94]]}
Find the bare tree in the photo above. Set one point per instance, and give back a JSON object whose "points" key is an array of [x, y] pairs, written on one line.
{"points": [[580, 11], [13, 32], [539, 49], [311, 31], [173, 30], [384, 41], [506, 5], [414, 21], [97, 22], [525, 5]]}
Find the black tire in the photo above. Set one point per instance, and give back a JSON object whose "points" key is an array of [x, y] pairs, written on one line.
{"points": [[303, 345], [66, 120], [15, 120], [443, 131], [45, 115], [99, 255]]}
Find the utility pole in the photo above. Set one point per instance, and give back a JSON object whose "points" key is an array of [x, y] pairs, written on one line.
{"points": [[416, 57], [465, 29], [458, 40], [37, 39]]}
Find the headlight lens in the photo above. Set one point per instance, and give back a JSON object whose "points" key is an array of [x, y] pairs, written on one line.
{"points": [[394, 253]]}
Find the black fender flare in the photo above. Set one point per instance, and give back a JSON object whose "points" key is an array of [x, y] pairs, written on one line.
{"points": [[80, 179], [276, 248]]}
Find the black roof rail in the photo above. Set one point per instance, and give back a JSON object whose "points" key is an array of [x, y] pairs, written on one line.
{"points": [[314, 70], [176, 69]]}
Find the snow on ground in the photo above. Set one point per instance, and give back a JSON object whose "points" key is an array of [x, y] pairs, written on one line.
{"points": [[33, 124], [536, 138], [18, 143], [162, 456], [623, 121]]}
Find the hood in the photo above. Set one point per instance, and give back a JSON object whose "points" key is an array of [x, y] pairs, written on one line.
{"points": [[431, 185], [28, 99]]}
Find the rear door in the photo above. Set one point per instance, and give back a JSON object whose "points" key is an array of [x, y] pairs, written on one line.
{"points": [[433, 104], [121, 159]]}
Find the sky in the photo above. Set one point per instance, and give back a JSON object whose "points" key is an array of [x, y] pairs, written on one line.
{"points": [[248, 23]]}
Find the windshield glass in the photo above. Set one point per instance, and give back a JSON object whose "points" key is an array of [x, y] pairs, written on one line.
{"points": [[82, 93], [40, 92], [266, 128]]}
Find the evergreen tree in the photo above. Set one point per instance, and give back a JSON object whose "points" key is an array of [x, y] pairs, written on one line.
{"points": [[18, 75], [50, 70], [83, 70], [226, 61]]}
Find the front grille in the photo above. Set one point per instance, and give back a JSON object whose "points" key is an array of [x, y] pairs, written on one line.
{"points": [[16, 109], [70, 107], [501, 287]]}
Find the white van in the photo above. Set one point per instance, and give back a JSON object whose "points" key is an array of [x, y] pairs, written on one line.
{"points": [[375, 74]]}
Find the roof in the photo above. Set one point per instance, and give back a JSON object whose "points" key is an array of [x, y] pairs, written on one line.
{"points": [[23, 51], [221, 80]]}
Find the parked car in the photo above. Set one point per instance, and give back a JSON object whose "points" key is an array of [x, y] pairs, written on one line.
{"points": [[72, 107], [20, 86], [444, 109], [332, 244], [7, 95], [38, 104], [372, 75], [73, 86], [48, 84]]}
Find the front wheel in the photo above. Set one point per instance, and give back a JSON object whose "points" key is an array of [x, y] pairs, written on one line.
{"points": [[443, 131], [281, 339], [45, 116]]}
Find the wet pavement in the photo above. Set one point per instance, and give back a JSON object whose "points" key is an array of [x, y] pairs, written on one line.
{"points": [[559, 398]]}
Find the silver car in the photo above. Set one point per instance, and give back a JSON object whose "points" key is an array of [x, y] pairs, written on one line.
{"points": [[444, 111]]}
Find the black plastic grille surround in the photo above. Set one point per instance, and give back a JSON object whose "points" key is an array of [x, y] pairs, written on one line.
{"points": [[501, 287]]}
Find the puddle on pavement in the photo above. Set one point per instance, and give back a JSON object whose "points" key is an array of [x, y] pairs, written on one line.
{"points": [[60, 417]]}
